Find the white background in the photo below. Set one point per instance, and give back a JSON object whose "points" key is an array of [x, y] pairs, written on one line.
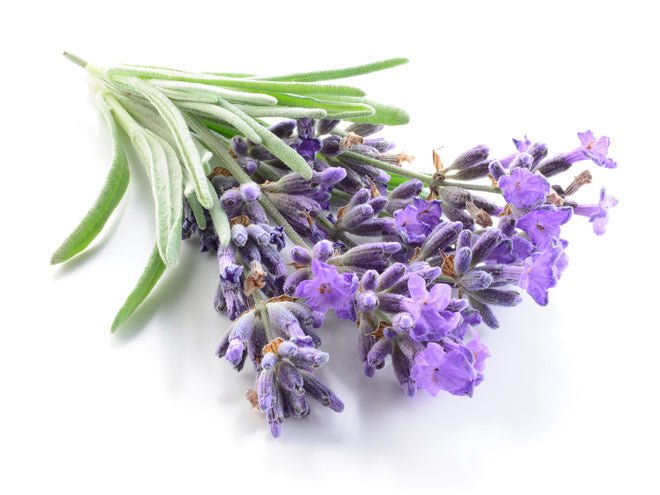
{"points": [[570, 397]]}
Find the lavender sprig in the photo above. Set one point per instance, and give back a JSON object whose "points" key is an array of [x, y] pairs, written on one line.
{"points": [[415, 260]]}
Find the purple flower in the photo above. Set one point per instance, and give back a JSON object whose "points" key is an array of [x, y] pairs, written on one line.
{"points": [[307, 148], [415, 221], [410, 228], [455, 368], [592, 149], [544, 224], [523, 188], [329, 289], [480, 353], [523, 144], [541, 271], [526, 150], [428, 212], [599, 213], [428, 309]]}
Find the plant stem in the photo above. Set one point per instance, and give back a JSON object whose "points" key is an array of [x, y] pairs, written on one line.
{"points": [[429, 180], [388, 167], [332, 230], [260, 308], [341, 195], [470, 187]]}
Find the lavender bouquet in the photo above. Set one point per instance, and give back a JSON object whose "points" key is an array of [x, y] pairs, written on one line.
{"points": [[316, 213]]}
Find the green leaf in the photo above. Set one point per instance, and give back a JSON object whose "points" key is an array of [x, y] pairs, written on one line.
{"points": [[176, 95], [219, 113], [396, 180], [384, 114], [270, 141], [145, 116], [223, 130], [284, 112], [334, 109], [248, 85], [163, 169], [151, 274], [214, 92], [220, 221], [219, 149], [327, 75], [111, 194], [179, 130], [167, 189]]}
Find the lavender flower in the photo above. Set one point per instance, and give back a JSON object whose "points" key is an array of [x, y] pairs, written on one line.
{"points": [[429, 310], [598, 213], [544, 224], [524, 189], [592, 148], [416, 220], [450, 366], [285, 381], [541, 271], [329, 289]]}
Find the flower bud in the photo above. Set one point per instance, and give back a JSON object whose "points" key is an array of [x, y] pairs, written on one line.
{"points": [[326, 125], [391, 275], [470, 158], [323, 250], [364, 129]]}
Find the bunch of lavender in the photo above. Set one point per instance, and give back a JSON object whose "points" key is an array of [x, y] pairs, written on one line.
{"points": [[416, 261]]}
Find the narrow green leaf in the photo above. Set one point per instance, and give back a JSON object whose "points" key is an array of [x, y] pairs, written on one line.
{"points": [[224, 115], [176, 95], [396, 180], [179, 131], [111, 194], [249, 85], [384, 114], [146, 116], [214, 92], [327, 75], [195, 207], [163, 170], [152, 272], [158, 174], [235, 75], [221, 129], [275, 145], [284, 112], [220, 221], [167, 188], [334, 109]]}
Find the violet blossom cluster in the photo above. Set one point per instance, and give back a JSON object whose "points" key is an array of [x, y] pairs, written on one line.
{"points": [[415, 261]]}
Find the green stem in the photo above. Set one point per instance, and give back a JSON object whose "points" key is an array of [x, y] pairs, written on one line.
{"points": [[383, 316], [332, 230], [260, 307], [341, 195], [387, 167], [446, 280], [429, 180], [470, 187]]}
